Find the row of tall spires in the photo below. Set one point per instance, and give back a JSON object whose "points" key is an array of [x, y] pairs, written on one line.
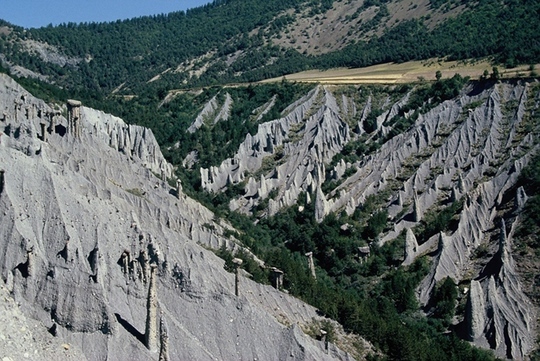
{"points": [[73, 118], [48, 120], [74, 128], [137, 266], [31, 111]]}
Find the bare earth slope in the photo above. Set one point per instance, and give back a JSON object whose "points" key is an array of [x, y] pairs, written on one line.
{"points": [[83, 218]]}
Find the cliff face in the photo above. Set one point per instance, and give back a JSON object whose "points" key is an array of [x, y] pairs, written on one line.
{"points": [[469, 151], [84, 220]]}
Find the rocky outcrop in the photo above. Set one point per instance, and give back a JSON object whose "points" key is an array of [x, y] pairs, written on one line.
{"points": [[322, 207], [212, 110], [297, 145], [264, 109], [132, 140], [457, 155], [499, 315], [411, 247], [254, 149], [80, 220]]}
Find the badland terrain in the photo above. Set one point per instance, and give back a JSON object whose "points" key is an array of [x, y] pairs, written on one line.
{"points": [[273, 180]]}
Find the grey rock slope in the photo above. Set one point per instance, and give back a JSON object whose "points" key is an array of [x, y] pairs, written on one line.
{"points": [[24, 338], [213, 112], [83, 217], [470, 149], [498, 313], [296, 146]]}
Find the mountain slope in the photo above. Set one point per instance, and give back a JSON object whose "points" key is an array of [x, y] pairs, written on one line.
{"points": [[83, 221], [446, 173], [388, 161], [399, 211], [238, 41]]}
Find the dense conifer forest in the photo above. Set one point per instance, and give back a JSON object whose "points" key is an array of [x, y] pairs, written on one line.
{"points": [[131, 52]]}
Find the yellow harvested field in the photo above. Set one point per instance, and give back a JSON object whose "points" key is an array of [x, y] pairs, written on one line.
{"points": [[392, 73]]}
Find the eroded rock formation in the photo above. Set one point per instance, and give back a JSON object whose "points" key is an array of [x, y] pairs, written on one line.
{"points": [[308, 136], [499, 315], [63, 197], [468, 151], [212, 112]]}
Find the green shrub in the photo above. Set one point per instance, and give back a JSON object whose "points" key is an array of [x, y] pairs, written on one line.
{"points": [[444, 299]]}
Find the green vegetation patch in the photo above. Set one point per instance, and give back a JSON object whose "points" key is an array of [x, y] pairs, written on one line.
{"points": [[438, 220], [372, 296], [530, 222]]}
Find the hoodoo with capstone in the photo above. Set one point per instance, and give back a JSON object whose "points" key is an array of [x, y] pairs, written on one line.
{"points": [[74, 117], [237, 263], [311, 264]]}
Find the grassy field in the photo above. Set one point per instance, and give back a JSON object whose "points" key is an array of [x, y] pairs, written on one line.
{"points": [[392, 73]]}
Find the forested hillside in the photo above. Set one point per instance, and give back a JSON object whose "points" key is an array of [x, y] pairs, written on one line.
{"points": [[237, 41]]}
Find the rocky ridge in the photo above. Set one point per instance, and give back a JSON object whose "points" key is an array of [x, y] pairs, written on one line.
{"points": [[212, 110], [498, 313], [468, 150], [86, 212], [294, 149]]}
